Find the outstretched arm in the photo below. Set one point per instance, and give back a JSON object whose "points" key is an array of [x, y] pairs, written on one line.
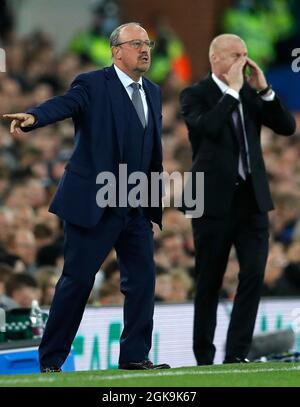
{"points": [[74, 101]]}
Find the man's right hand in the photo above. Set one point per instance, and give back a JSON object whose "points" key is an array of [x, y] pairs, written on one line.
{"points": [[235, 75], [19, 120]]}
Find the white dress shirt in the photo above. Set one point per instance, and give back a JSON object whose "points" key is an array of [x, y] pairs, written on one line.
{"points": [[126, 82], [229, 91], [226, 89]]}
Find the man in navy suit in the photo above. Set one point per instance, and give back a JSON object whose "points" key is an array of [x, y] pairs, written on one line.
{"points": [[117, 120]]}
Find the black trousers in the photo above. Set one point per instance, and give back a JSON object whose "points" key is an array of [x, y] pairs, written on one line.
{"points": [[247, 230]]}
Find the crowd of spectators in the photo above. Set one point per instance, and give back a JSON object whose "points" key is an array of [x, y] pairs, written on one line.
{"points": [[31, 164]]}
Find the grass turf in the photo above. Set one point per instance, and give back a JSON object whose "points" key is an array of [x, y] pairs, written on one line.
{"points": [[233, 375]]}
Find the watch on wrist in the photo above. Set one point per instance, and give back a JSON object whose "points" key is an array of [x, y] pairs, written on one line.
{"points": [[265, 90]]}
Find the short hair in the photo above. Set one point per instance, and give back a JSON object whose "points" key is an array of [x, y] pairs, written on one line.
{"points": [[5, 272], [19, 281], [41, 230], [114, 36], [112, 267], [160, 271]]}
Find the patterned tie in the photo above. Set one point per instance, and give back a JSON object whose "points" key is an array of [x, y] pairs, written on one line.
{"points": [[137, 102], [239, 131]]}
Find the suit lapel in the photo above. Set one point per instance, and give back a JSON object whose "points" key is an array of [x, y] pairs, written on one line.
{"points": [[117, 101], [153, 109], [115, 93], [213, 90], [151, 105], [216, 94], [247, 121]]}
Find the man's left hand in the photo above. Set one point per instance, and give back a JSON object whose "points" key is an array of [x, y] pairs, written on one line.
{"points": [[257, 78]]}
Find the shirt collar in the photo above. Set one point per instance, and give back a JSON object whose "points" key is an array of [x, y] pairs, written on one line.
{"points": [[125, 79], [222, 85]]}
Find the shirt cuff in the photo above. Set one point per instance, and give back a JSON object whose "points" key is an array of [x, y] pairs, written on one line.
{"points": [[269, 98], [233, 93]]}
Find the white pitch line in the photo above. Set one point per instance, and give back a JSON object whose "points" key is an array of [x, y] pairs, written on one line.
{"points": [[95, 377]]}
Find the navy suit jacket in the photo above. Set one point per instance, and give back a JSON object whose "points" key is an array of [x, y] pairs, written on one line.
{"points": [[94, 102]]}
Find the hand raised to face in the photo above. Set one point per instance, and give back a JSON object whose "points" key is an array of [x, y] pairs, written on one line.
{"points": [[256, 78], [235, 75]]}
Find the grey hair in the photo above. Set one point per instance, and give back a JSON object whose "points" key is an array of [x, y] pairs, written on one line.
{"points": [[114, 36]]}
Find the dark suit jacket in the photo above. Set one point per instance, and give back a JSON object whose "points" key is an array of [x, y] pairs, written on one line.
{"points": [[208, 115], [95, 104]]}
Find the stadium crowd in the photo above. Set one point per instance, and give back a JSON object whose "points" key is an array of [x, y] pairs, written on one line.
{"points": [[31, 164]]}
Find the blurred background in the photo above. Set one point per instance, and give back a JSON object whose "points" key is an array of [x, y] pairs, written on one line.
{"points": [[47, 44]]}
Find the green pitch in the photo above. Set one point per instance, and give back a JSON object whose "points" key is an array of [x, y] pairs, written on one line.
{"points": [[249, 375]]}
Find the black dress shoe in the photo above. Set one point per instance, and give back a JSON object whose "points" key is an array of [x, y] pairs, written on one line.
{"points": [[144, 365], [236, 360], [52, 369], [204, 363]]}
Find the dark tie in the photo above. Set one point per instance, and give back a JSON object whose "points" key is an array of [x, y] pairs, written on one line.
{"points": [[137, 102], [239, 131]]}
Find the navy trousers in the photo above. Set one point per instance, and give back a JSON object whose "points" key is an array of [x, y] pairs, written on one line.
{"points": [[85, 251]]}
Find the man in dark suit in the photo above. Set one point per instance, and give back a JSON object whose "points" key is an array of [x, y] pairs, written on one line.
{"points": [[224, 114], [117, 118]]}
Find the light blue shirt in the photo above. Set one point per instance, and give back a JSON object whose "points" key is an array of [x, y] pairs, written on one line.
{"points": [[126, 82]]}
